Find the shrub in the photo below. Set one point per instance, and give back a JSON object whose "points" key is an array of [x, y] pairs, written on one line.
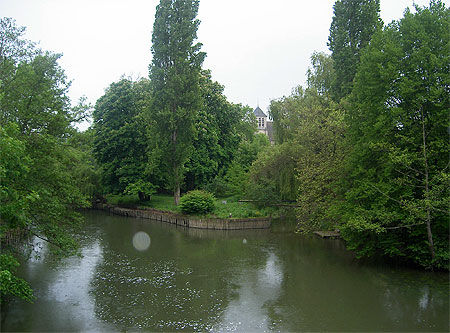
{"points": [[197, 202]]}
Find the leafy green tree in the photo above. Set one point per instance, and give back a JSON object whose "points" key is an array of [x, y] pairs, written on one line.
{"points": [[10, 284], [120, 139], [218, 126], [354, 23], [285, 118], [13, 47], [247, 126], [236, 178], [249, 149], [304, 165], [175, 74], [88, 171], [39, 189], [273, 175], [397, 199], [14, 168], [319, 165], [321, 75]]}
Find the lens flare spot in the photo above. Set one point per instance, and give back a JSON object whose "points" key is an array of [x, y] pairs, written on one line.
{"points": [[141, 241]]}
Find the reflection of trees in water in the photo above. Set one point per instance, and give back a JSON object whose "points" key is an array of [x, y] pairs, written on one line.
{"points": [[258, 288], [224, 234], [427, 302], [213, 280], [61, 288], [179, 282], [205, 279], [324, 289]]}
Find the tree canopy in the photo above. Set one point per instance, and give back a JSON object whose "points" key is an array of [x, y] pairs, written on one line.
{"points": [[354, 23], [364, 148], [397, 197], [175, 75], [120, 141], [38, 188]]}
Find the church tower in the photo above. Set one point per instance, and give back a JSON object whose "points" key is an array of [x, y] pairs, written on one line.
{"points": [[264, 124], [261, 119]]}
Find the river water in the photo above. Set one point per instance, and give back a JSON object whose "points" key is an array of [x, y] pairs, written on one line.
{"points": [[139, 274]]}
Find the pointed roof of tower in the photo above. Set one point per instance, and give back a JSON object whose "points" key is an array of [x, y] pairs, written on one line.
{"points": [[259, 113]]}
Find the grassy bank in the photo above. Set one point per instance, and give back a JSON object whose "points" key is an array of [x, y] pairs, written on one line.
{"points": [[224, 207]]}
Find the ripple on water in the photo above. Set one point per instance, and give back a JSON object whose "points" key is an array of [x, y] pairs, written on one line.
{"points": [[132, 292]]}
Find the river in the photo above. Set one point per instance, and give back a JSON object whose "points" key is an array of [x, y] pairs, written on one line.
{"points": [[139, 274]]}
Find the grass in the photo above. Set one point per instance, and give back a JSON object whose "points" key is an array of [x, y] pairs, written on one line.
{"points": [[227, 206], [161, 202], [224, 206]]}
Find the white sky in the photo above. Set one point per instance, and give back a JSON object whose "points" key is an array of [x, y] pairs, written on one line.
{"points": [[258, 49]]}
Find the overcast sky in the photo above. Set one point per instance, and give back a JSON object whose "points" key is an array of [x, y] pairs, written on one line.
{"points": [[258, 49]]}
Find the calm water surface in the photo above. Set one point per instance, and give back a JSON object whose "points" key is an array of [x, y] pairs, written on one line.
{"points": [[140, 274]]}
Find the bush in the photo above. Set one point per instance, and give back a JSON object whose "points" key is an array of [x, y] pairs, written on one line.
{"points": [[197, 202]]}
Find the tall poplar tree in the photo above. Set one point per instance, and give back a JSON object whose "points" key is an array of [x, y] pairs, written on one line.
{"points": [[175, 74], [353, 25]]}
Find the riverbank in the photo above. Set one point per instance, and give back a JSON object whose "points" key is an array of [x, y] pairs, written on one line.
{"points": [[224, 207], [189, 221]]}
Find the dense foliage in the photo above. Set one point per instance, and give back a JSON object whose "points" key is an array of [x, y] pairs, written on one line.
{"points": [[305, 163], [197, 202], [39, 184], [221, 126], [10, 284], [120, 140], [364, 148], [397, 199], [354, 23]]}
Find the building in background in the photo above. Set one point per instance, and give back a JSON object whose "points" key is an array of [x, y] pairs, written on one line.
{"points": [[265, 125]]}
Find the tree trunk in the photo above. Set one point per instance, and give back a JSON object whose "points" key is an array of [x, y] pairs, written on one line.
{"points": [[427, 190], [143, 197], [176, 194], [176, 171]]}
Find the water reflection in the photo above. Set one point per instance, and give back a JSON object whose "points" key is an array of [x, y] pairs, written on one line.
{"points": [[70, 288], [180, 284], [257, 290], [61, 288], [206, 280], [426, 302]]}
